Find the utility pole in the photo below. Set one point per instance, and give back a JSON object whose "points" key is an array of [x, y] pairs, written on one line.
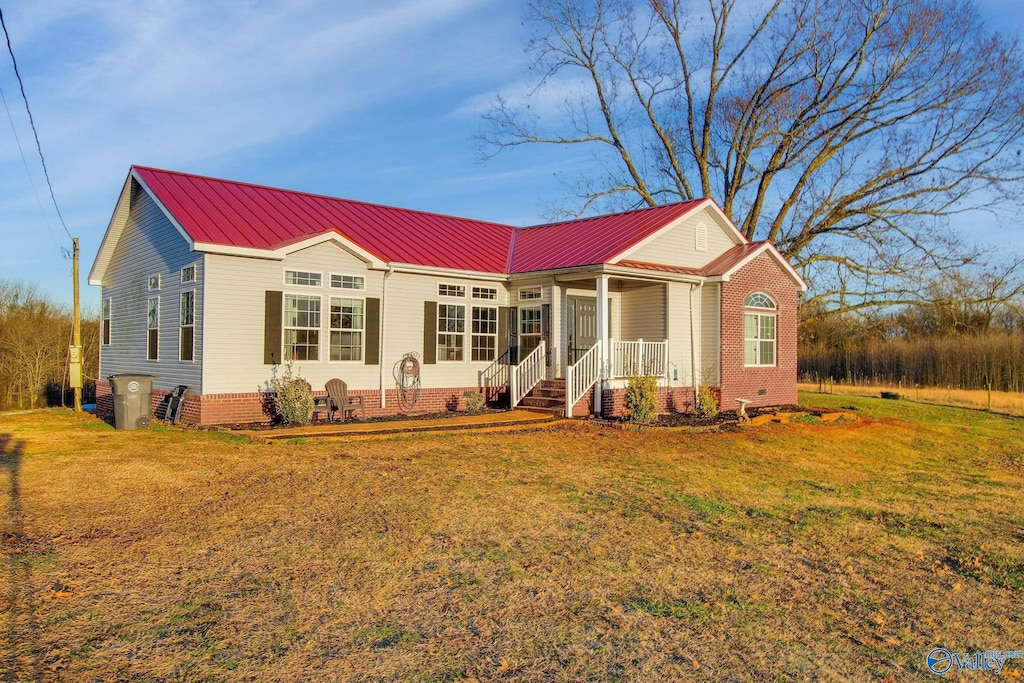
{"points": [[75, 364]]}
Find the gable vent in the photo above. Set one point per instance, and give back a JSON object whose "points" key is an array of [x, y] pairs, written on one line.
{"points": [[701, 237]]}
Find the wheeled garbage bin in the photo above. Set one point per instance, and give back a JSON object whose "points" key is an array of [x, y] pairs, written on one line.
{"points": [[133, 400]]}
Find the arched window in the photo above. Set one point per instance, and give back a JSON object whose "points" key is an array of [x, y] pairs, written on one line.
{"points": [[759, 331], [760, 300]]}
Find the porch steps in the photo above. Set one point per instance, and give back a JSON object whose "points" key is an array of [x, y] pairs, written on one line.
{"points": [[548, 396]]}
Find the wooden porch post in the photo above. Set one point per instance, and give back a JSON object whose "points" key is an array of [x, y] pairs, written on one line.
{"points": [[602, 338]]}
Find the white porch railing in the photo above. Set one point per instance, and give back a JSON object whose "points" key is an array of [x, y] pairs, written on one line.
{"points": [[495, 378], [639, 357], [581, 376], [528, 374]]}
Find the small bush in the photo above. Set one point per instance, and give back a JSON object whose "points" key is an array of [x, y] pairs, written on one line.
{"points": [[707, 403], [474, 401], [293, 397], [642, 399]]}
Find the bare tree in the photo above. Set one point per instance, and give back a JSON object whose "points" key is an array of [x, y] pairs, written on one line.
{"points": [[846, 132]]}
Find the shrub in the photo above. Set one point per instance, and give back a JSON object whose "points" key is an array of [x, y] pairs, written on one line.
{"points": [[707, 403], [293, 397], [474, 401], [642, 399]]}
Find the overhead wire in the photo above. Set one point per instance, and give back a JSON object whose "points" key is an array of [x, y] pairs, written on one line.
{"points": [[35, 133], [24, 161]]}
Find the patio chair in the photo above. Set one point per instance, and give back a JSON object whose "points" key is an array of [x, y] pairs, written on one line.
{"points": [[339, 401]]}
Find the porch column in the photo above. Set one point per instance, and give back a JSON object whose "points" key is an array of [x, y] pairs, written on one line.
{"points": [[602, 338], [555, 333]]}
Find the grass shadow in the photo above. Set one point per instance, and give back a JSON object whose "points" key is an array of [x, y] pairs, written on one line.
{"points": [[20, 631]]}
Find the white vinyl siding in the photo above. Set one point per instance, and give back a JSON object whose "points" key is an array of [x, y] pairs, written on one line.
{"points": [[235, 307], [643, 312], [678, 245], [150, 245], [679, 334]]}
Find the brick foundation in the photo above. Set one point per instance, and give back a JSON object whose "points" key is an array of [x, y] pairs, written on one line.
{"points": [[770, 386], [211, 409], [670, 400]]}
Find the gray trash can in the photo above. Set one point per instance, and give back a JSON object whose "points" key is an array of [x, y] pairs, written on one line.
{"points": [[133, 400]]}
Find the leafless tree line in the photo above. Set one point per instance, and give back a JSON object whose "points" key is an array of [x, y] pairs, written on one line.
{"points": [[950, 343], [35, 334]]}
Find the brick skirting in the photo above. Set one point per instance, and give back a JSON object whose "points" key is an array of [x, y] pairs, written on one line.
{"points": [[211, 409], [670, 400]]}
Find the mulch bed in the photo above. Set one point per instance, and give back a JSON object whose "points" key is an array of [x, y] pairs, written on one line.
{"points": [[266, 426]]}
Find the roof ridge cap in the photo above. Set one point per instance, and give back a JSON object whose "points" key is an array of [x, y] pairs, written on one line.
{"points": [[609, 215]]}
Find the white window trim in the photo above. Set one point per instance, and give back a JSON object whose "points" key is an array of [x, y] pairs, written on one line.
{"points": [[320, 328], [284, 279], [109, 321], [362, 330], [193, 325], [157, 328], [466, 324], [195, 274], [480, 298], [470, 333], [761, 313], [149, 280], [330, 285], [533, 288], [773, 307], [452, 284]]}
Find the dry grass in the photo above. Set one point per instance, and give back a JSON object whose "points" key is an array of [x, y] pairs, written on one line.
{"points": [[795, 551], [1005, 402]]}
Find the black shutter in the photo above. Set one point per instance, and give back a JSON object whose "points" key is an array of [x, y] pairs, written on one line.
{"points": [[513, 335], [272, 328], [503, 313], [371, 325], [429, 332]]}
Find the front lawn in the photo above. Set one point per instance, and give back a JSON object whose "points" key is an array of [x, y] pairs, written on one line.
{"points": [[576, 553]]}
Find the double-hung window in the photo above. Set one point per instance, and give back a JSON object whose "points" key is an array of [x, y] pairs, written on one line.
{"points": [[529, 329], [759, 331], [186, 324], [105, 307], [451, 331], [484, 333], [153, 328], [301, 327], [346, 329]]}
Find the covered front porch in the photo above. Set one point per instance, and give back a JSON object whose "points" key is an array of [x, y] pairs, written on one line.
{"points": [[581, 351]]}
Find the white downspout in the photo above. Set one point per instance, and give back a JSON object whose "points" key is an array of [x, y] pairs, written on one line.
{"points": [[383, 326]]}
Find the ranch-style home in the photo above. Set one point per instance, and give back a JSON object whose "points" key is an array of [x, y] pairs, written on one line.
{"points": [[213, 284]]}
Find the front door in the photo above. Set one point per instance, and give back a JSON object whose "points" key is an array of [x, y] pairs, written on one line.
{"points": [[581, 320]]}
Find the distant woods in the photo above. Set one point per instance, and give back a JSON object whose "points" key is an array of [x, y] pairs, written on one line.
{"points": [[947, 344], [35, 334]]}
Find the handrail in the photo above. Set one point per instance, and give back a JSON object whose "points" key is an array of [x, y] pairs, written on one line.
{"points": [[528, 374], [581, 376], [495, 376], [630, 358]]}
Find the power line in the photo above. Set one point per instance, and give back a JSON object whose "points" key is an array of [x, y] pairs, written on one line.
{"points": [[31, 182], [32, 122]]}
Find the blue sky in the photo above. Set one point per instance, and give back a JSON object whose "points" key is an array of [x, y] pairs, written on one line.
{"points": [[371, 101]]}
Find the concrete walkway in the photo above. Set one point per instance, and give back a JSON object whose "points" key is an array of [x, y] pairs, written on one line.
{"points": [[484, 422]]}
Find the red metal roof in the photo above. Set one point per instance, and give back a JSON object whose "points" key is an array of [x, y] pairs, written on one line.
{"points": [[589, 241], [660, 267], [732, 258], [235, 214]]}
